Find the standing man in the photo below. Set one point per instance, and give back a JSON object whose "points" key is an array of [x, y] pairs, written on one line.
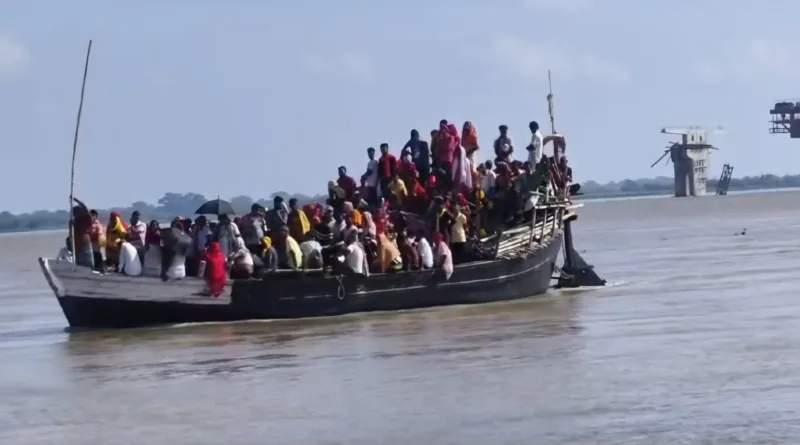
{"points": [[137, 233], [420, 155], [535, 147], [503, 147], [254, 227], [369, 180], [387, 166]]}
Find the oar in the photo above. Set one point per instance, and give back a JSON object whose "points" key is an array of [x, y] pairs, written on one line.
{"points": [[74, 150]]}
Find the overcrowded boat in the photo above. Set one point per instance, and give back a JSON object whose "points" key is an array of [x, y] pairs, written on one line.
{"points": [[431, 227]]}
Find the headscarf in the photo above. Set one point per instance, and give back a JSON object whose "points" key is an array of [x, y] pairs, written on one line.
{"points": [[153, 234], [462, 169], [453, 131], [116, 231], [298, 223], [116, 223], [469, 136], [216, 269], [240, 244], [266, 244], [387, 253]]}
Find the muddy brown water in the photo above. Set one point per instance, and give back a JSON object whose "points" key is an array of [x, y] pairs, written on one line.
{"points": [[696, 341]]}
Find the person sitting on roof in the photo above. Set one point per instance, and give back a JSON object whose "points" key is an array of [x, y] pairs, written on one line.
{"points": [[289, 254], [355, 258], [175, 245], [115, 231], [129, 262], [241, 261], [267, 260], [389, 258], [442, 256], [312, 252], [424, 250], [347, 183], [151, 266], [65, 254]]}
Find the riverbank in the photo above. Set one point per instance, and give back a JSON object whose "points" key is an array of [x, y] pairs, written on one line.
{"points": [[48, 224]]}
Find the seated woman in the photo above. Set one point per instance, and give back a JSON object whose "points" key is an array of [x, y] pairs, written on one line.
{"points": [[312, 252], [443, 259], [289, 254], [355, 258], [408, 252], [389, 258], [152, 256], [115, 231], [129, 262], [267, 260], [241, 261]]}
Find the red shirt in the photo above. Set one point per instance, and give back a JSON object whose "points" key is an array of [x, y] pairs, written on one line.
{"points": [[446, 148], [387, 165], [347, 184]]}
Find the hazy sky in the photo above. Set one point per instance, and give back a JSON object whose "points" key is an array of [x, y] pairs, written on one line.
{"points": [[251, 97]]}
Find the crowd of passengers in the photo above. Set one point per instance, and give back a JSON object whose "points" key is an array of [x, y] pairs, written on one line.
{"points": [[422, 210]]}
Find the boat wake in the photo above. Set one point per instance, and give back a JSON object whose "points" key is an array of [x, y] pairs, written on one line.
{"points": [[590, 288]]}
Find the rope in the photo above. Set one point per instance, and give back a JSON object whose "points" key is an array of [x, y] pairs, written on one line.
{"points": [[563, 274], [340, 291]]}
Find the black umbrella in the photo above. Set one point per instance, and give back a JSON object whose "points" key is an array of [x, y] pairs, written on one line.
{"points": [[215, 207]]}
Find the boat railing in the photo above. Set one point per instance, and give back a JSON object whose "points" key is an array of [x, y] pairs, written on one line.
{"points": [[546, 220]]}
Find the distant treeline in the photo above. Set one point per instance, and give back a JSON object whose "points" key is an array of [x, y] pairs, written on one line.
{"points": [[665, 185], [168, 207], [184, 204]]}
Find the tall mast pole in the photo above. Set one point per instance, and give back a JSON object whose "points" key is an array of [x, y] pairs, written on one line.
{"points": [[550, 104], [74, 151]]}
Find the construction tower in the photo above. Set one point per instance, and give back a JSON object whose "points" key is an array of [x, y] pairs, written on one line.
{"points": [[786, 118], [690, 159]]}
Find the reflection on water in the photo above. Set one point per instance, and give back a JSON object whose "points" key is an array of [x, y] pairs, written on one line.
{"points": [[696, 344]]}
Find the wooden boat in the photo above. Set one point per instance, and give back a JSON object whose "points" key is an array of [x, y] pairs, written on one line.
{"points": [[522, 263]]}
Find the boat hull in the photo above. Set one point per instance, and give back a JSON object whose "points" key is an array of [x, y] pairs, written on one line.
{"points": [[92, 300]]}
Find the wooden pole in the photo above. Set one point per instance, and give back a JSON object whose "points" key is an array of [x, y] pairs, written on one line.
{"points": [[550, 104], [74, 151]]}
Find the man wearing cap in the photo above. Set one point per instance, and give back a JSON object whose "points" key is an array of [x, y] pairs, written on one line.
{"points": [[503, 147]]}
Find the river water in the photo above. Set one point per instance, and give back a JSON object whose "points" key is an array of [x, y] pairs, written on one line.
{"points": [[696, 341]]}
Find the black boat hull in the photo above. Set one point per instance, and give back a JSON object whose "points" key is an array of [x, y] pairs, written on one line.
{"points": [[91, 300]]}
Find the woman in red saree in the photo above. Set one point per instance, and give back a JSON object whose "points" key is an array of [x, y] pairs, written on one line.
{"points": [[216, 274]]}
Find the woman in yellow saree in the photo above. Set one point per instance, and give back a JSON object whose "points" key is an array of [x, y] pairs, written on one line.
{"points": [[116, 232]]}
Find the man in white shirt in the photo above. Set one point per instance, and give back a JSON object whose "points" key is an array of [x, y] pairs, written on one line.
{"points": [[369, 179], [537, 143], [129, 263], [489, 177], [65, 254]]}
